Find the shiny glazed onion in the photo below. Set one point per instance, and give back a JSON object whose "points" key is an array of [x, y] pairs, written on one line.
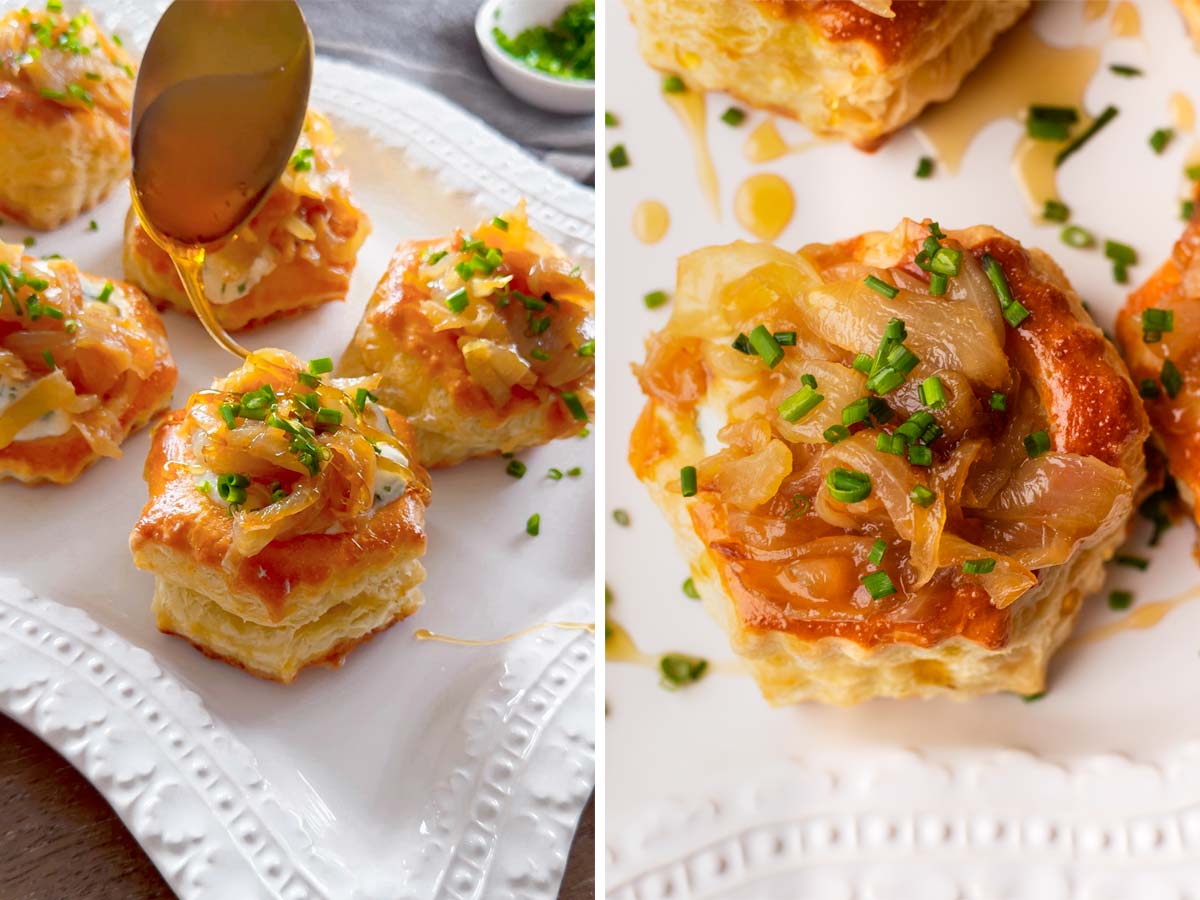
{"points": [[290, 451], [67, 343], [1007, 438]]}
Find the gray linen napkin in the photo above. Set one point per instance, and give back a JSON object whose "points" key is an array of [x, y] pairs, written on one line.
{"points": [[433, 44]]}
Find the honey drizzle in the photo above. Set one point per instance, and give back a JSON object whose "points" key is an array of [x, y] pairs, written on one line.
{"points": [[1126, 22], [650, 221], [690, 106], [424, 634], [1022, 70], [1140, 618], [1183, 114]]}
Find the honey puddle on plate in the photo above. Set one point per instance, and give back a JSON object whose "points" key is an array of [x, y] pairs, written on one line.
{"points": [[1183, 114], [1023, 70], [650, 221], [619, 646], [1142, 617], [1125, 21], [424, 634], [764, 205], [689, 105], [764, 143]]}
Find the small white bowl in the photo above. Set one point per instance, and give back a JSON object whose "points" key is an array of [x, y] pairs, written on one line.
{"points": [[563, 95]]}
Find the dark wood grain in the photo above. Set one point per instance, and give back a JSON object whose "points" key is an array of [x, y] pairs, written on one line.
{"points": [[60, 839]]}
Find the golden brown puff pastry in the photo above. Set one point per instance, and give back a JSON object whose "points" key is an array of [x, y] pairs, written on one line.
{"points": [[485, 341], [83, 363], [286, 517], [849, 70], [295, 253], [65, 94], [1158, 332], [931, 523]]}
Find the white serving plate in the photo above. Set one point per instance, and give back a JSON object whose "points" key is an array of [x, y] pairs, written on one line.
{"points": [[420, 769], [1092, 792]]}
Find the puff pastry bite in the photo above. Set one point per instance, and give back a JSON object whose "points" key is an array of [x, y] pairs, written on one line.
{"points": [[65, 93], [286, 517], [903, 494], [1158, 332], [851, 69], [485, 341], [83, 363], [298, 251]]}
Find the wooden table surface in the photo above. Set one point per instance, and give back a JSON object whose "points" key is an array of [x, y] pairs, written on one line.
{"points": [[59, 839]]}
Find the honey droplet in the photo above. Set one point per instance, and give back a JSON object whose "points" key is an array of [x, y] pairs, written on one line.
{"points": [[764, 205], [650, 221]]}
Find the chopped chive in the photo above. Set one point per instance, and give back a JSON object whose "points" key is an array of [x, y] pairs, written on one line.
{"points": [[1172, 381], [875, 557], [618, 157], [1110, 113], [800, 506], [1125, 71], [673, 84], [766, 346], [1160, 138], [800, 404], [515, 468], [995, 275], [92, 225], [1033, 698], [687, 481], [932, 393], [856, 412], [361, 396], [571, 399], [457, 301], [1074, 236], [574, 472], [29, 240], [924, 167], [500, 223], [920, 456], [946, 261], [229, 414], [889, 443], [689, 589], [1119, 600], [809, 380], [327, 416], [733, 116], [1148, 389], [1186, 208], [1046, 129], [878, 585], [879, 286], [847, 485], [621, 517], [1155, 322], [320, 366], [435, 256], [835, 433], [1068, 115], [1014, 314], [610, 120], [555, 474], [1134, 562], [741, 344], [921, 495], [979, 566], [587, 348], [937, 284], [863, 363], [788, 339], [533, 525], [655, 299], [679, 670], [1036, 444], [48, 358], [1055, 211], [1120, 253], [998, 401]]}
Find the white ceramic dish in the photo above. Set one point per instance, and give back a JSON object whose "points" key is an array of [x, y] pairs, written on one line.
{"points": [[544, 91], [1094, 791], [419, 770]]}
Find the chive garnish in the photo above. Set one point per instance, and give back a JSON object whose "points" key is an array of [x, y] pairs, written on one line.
{"points": [[48, 359], [733, 116], [921, 495], [1172, 380], [320, 366], [788, 339], [1080, 238], [1119, 600], [618, 157], [673, 84], [1148, 389], [1186, 208], [932, 393], [1134, 562], [879, 286], [1160, 138], [765, 345], [655, 299], [835, 433], [875, 557], [1155, 322], [610, 120], [998, 401], [232, 488], [500, 223], [571, 399], [979, 566], [229, 414], [679, 670], [920, 456], [1110, 113], [1124, 71], [457, 301], [878, 585], [800, 404], [687, 481], [689, 589], [924, 167], [533, 525], [1055, 211], [1036, 444], [621, 517], [848, 485], [574, 472]]}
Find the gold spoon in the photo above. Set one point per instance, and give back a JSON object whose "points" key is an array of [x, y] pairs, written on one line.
{"points": [[219, 104]]}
